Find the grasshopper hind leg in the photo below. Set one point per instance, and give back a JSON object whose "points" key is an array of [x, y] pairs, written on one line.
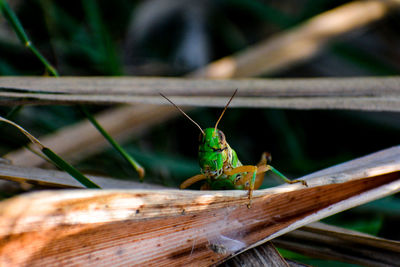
{"points": [[266, 159], [253, 181]]}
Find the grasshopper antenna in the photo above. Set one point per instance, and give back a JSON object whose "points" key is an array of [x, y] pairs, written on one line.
{"points": [[187, 116], [222, 114]]}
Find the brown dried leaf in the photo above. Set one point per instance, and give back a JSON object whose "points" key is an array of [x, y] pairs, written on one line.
{"points": [[173, 227], [335, 243]]}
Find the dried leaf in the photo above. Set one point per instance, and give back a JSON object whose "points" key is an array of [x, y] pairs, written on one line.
{"points": [[137, 227], [53, 178], [331, 242], [378, 93]]}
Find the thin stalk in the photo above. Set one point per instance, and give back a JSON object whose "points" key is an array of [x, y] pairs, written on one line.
{"points": [[53, 157], [12, 18], [19, 30], [132, 161], [62, 164], [37, 153]]}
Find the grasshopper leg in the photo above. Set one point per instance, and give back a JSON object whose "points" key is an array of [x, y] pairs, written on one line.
{"points": [[254, 179], [284, 178], [192, 180], [255, 175], [263, 167], [248, 181]]}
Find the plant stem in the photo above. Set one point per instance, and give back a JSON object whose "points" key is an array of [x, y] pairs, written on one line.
{"points": [[19, 30], [133, 162], [62, 164], [57, 160]]}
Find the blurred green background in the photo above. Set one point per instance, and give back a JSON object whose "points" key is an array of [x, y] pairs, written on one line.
{"points": [[174, 37]]}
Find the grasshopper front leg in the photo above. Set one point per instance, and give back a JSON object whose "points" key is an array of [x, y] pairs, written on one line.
{"points": [[192, 180]]}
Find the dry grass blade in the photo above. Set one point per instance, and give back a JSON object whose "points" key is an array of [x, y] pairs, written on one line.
{"points": [[253, 87], [331, 242], [265, 255], [352, 236], [343, 93], [53, 178], [53, 157], [300, 43], [137, 227]]}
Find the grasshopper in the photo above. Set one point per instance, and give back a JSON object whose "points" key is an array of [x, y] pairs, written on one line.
{"points": [[220, 165]]}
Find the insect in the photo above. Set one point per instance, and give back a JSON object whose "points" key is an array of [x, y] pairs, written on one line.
{"points": [[220, 165]]}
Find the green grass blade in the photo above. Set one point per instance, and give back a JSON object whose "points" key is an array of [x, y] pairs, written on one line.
{"points": [[54, 157], [48, 66], [62, 164], [17, 26], [12, 18], [14, 21], [127, 157]]}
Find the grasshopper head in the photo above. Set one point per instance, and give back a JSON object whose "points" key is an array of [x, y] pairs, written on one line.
{"points": [[213, 150]]}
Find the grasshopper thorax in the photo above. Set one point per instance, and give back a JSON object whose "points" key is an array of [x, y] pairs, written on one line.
{"points": [[213, 151]]}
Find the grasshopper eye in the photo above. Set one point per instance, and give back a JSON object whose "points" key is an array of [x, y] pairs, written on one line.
{"points": [[200, 137]]}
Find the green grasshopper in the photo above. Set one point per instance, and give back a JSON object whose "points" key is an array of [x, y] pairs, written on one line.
{"points": [[220, 166]]}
